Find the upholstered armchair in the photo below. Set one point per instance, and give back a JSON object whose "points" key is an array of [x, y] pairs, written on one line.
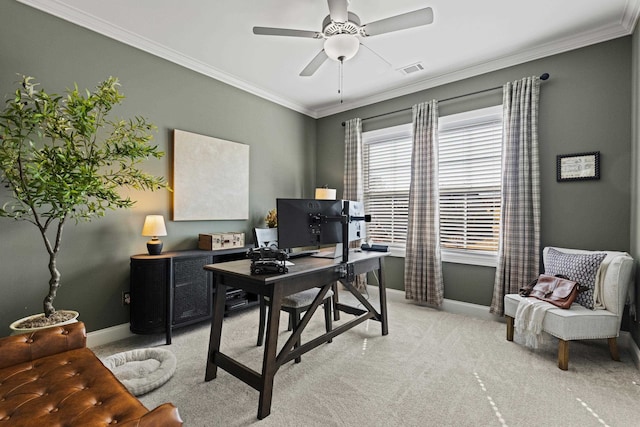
{"points": [[611, 284]]}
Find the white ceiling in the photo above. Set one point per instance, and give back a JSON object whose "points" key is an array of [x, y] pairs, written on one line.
{"points": [[467, 37]]}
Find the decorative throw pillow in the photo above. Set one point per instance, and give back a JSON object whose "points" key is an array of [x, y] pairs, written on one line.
{"points": [[581, 268]]}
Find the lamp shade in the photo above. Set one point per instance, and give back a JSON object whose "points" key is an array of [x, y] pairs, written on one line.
{"points": [[341, 47], [154, 226], [325, 193]]}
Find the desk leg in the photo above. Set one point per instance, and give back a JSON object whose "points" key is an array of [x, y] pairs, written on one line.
{"points": [[216, 328], [269, 365], [336, 312], [383, 297]]}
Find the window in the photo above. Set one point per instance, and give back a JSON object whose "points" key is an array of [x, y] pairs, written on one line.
{"points": [[387, 174], [470, 146], [470, 163]]}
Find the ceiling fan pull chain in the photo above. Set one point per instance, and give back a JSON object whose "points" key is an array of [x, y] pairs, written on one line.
{"points": [[340, 79]]}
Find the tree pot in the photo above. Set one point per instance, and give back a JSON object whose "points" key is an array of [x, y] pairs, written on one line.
{"points": [[22, 330]]}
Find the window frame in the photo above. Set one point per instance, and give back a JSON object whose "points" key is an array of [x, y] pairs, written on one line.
{"points": [[461, 256]]}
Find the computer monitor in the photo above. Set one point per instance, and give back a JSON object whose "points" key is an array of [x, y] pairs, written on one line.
{"points": [[308, 222], [356, 218]]}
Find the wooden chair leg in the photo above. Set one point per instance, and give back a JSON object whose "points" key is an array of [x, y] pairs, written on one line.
{"points": [[563, 355], [509, 328], [334, 299], [613, 349], [327, 316], [295, 318], [263, 316]]}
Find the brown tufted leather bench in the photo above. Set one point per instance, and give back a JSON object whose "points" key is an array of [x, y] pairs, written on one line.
{"points": [[50, 378]]}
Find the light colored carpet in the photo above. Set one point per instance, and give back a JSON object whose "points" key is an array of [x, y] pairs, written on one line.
{"points": [[433, 369]]}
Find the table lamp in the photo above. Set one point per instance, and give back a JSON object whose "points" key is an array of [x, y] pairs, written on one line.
{"points": [[154, 227], [325, 193]]}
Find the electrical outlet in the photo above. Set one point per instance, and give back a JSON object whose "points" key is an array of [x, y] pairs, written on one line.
{"points": [[126, 298]]}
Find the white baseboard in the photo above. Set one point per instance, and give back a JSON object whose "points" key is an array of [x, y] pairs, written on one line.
{"points": [[627, 341], [469, 309], [119, 332], [108, 335]]}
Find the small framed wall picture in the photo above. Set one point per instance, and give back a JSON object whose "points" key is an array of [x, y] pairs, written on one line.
{"points": [[578, 167]]}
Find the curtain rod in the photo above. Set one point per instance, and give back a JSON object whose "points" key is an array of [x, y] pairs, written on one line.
{"points": [[544, 76]]}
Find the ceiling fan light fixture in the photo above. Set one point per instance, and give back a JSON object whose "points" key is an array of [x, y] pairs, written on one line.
{"points": [[341, 47]]}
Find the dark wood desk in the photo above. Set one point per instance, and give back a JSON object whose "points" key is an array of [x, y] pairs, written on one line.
{"points": [[307, 273]]}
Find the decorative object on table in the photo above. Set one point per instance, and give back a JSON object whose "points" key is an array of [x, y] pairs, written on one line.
{"points": [[272, 218], [268, 260], [199, 159], [142, 370], [325, 193], [154, 227], [214, 241], [578, 167], [62, 158]]}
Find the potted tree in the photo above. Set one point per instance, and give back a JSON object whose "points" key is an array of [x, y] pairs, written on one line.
{"points": [[62, 159]]}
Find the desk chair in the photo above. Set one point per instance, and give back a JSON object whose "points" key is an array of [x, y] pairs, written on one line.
{"points": [[294, 304]]}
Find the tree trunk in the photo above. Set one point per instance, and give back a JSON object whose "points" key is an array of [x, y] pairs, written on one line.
{"points": [[54, 284]]}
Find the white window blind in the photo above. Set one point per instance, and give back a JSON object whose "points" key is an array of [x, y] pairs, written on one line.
{"points": [[470, 150], [470, 153], [387, 170]]}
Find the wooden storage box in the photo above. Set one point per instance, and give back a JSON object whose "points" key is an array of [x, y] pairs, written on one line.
{"points": [[213, 241]]}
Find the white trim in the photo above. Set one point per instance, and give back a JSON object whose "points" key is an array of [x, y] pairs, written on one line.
{"points": [[108, 335], [625, 27], [100, 26], [461, 256], [469, 309], [598, 35], [625, 340], [470, 117]]}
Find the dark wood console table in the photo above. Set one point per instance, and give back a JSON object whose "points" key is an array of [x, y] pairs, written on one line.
{"points": [[307, 273], [171, 290]]}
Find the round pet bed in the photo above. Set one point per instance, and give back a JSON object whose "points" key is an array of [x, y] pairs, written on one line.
{"points": [[142, 370]]}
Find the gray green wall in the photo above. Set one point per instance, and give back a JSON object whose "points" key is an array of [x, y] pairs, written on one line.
{"points": [[94, 261], [635, 176], [584, 106]]}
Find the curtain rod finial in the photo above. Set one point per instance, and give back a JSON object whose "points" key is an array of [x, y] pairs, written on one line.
{"points": [[545, 76]]}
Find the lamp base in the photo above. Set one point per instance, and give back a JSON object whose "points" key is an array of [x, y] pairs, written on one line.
{"points": [[154, 246]]}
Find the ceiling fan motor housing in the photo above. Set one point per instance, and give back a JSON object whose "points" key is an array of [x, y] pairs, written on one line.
{"points": [[352, 26]]}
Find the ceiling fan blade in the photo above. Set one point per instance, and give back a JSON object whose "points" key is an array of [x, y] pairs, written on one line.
{"points": [[338, 10], [315, 63], [268, 31], [399, 22]]}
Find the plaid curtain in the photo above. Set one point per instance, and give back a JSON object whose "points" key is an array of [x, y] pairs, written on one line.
{"points": [[423, 264], [519, 248], [353, 185], [353, 173]]}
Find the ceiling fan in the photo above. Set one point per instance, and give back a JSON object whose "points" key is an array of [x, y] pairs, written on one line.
{"points": [[341, 30]]}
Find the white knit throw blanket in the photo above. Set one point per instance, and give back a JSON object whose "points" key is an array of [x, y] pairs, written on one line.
{"points": [[528, 320]]}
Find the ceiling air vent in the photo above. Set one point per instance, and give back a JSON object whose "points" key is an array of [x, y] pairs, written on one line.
{"points": [[413, 68]]}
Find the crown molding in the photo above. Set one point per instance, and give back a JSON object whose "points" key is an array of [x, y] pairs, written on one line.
{"points": [[595, 36], [100, 26], [624, 27]]}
